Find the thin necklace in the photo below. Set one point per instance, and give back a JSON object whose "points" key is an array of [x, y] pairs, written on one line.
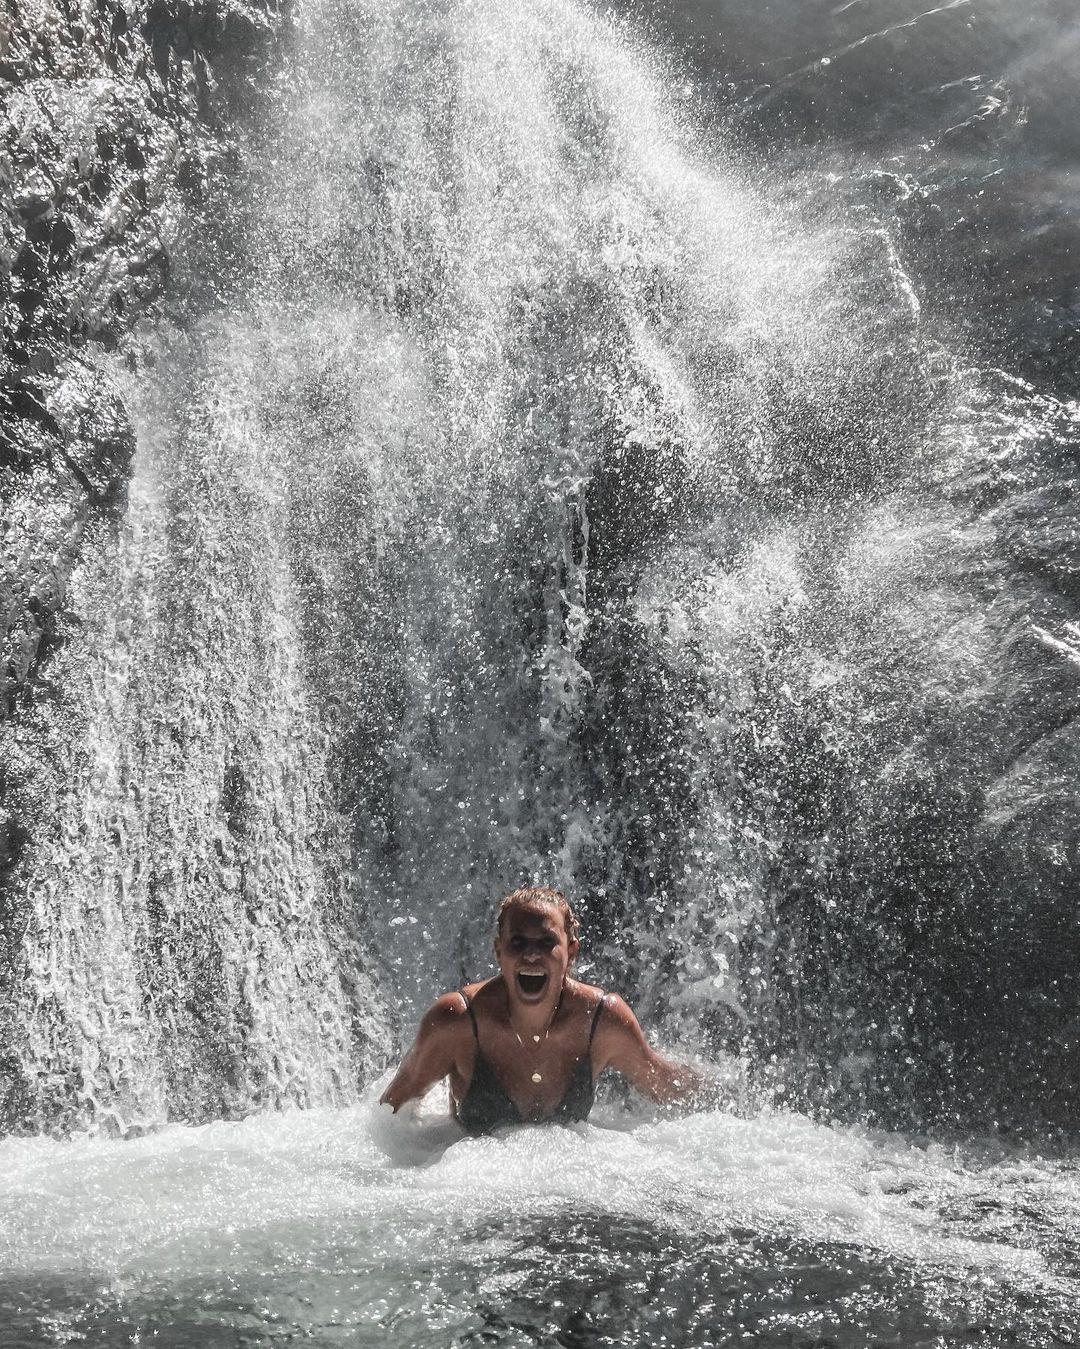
{"points": [[538, 1039]]}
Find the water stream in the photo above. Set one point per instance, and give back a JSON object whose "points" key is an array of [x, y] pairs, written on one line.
{"points": [[552, 495]]}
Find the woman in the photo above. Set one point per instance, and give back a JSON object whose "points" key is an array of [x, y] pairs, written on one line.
{"points": [[529, 1044]]}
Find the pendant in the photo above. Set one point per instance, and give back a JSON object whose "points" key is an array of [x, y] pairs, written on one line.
{"points": [[536, 1038], [537, 1078]]}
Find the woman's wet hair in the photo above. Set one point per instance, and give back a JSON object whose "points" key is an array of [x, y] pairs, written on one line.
{"points": [[537, 897]]}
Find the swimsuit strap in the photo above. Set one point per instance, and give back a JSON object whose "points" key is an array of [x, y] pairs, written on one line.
{"points": [[472, 1015], [596, 1017]]}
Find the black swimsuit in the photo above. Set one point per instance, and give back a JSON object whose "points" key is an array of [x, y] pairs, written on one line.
{"points": [[486, 1105]]}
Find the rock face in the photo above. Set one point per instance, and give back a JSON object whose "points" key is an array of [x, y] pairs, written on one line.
{"points": [[112, 135]]}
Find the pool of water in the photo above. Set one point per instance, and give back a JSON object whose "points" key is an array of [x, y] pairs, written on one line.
{"points": [[344, 1228]]}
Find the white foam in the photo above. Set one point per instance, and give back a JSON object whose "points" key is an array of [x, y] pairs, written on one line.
{"points": [[186, 1201]]}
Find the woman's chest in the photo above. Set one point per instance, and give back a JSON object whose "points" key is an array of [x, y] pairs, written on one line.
{"points": [[537, 1080]]}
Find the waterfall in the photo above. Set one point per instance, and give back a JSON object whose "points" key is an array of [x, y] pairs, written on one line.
{"points": [[191, 944], [553, 497]]}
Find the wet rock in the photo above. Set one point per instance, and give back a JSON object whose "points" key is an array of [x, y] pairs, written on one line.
{"points": [[113, 116]]}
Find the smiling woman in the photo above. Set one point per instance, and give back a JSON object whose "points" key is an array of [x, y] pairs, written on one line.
{"points": [[528, 1045]]}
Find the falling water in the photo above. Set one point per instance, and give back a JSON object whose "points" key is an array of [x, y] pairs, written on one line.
{"points": [[549, 497], [191, 946], [530, 486]]}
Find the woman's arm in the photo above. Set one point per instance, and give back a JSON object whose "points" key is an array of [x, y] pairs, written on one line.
{"points": [[622, 1045], [433, 1054]]}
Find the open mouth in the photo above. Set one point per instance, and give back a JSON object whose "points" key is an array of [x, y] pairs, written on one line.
{"points": [[531, 985]]}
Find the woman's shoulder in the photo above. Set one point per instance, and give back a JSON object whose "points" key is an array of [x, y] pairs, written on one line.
{"points": [[478, 988], [589, 995], [616, 1010], [446, 1013]]}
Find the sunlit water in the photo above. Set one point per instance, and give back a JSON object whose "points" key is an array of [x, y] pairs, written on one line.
{"points": [[704, 1230], [552, 495]]}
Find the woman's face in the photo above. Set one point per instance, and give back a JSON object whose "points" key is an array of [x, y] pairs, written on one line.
{"points": [[534, 953]]}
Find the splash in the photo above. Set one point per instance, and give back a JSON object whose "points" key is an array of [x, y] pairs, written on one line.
{"points": [[553, 498], [770, 1226]]}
